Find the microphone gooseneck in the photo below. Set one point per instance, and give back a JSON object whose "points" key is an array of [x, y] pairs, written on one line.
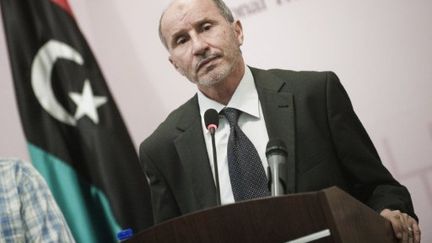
{"points": [[276, 154], [211, 119]]}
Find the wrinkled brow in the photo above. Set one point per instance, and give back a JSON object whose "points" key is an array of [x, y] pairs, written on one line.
{"points": [[180, 32]]}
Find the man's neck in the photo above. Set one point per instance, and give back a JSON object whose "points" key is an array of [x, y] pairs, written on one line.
{"points": [[223, 91]]}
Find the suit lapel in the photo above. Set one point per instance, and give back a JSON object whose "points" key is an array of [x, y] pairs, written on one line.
{"points": [[278, 108], [193, 155]]}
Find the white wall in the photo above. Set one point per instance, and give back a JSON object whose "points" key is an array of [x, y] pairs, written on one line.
{"points": [[381, 51]]}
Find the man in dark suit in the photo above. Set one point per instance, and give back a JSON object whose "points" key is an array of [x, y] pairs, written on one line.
{"points": [[309, 111]]}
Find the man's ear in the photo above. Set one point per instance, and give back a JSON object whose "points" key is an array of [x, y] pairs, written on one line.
{"points": [[238, 29], [175, 66]]}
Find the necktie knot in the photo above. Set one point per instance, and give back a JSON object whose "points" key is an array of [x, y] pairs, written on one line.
{"points": [[232, 115]]}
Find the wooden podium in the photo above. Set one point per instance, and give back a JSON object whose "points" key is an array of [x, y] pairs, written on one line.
{"points": [[330, 215]]}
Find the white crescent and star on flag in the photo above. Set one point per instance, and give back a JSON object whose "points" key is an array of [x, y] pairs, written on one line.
{"points": [[41, 71]]}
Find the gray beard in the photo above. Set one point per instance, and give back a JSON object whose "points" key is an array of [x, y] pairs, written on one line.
{"points": [[217, 76]]}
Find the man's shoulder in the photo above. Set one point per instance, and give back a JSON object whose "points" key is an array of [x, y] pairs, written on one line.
{"points": [[20, 172], [14, 167], [20, 179], [295, 75], [296, 80], [169, 128]]}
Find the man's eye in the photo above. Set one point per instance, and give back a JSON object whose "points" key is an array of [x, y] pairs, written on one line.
{"points": [[181, 40], [206, 27]]}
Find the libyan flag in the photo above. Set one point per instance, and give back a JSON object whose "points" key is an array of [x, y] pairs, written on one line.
{"points": [[75, 133]]}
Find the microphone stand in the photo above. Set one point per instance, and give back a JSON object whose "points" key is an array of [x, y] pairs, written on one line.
{"points": [[276, 154], [215, 163]]}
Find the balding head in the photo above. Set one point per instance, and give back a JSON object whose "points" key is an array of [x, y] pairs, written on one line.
{"points": [[223, 9]]}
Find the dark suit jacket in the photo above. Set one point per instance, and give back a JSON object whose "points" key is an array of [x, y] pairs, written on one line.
{"points": [[311, 112]]}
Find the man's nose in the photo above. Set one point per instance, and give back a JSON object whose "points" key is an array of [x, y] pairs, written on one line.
{"points": [[199, 45]]}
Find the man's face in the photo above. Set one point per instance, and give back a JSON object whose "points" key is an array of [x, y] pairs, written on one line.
{"points": [[202, 44]]}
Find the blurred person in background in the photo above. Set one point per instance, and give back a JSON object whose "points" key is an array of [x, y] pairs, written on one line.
{"points": [[28, 211]]}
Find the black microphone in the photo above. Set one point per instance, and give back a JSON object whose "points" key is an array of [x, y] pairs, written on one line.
{"points": [[276, 154], [211, 119]]}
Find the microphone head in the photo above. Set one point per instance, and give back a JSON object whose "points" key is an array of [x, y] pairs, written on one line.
{"points": [[277, 146], [211, 118]]}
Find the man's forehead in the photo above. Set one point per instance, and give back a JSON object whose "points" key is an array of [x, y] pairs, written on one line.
{"points": [[180, 11], [187, 3]]}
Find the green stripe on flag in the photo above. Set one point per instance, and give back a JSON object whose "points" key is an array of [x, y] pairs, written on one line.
{"points": [[85, 207]]}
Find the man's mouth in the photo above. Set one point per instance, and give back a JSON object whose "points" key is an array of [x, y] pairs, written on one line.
{"points": [[203, 62]]}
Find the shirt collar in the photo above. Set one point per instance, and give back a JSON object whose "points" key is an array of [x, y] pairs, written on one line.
{"points": [[245, 98]]}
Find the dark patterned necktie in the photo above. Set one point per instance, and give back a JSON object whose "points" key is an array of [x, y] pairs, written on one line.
{"points": [[247, 175]]}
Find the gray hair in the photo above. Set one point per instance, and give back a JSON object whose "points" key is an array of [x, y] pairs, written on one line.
{"points": [[223, 10]]}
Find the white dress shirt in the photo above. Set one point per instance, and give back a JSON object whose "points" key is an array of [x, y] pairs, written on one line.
{"points": [[251, 122]]}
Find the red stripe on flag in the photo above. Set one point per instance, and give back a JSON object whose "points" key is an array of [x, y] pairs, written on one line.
{"points": [[64, 5]]}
